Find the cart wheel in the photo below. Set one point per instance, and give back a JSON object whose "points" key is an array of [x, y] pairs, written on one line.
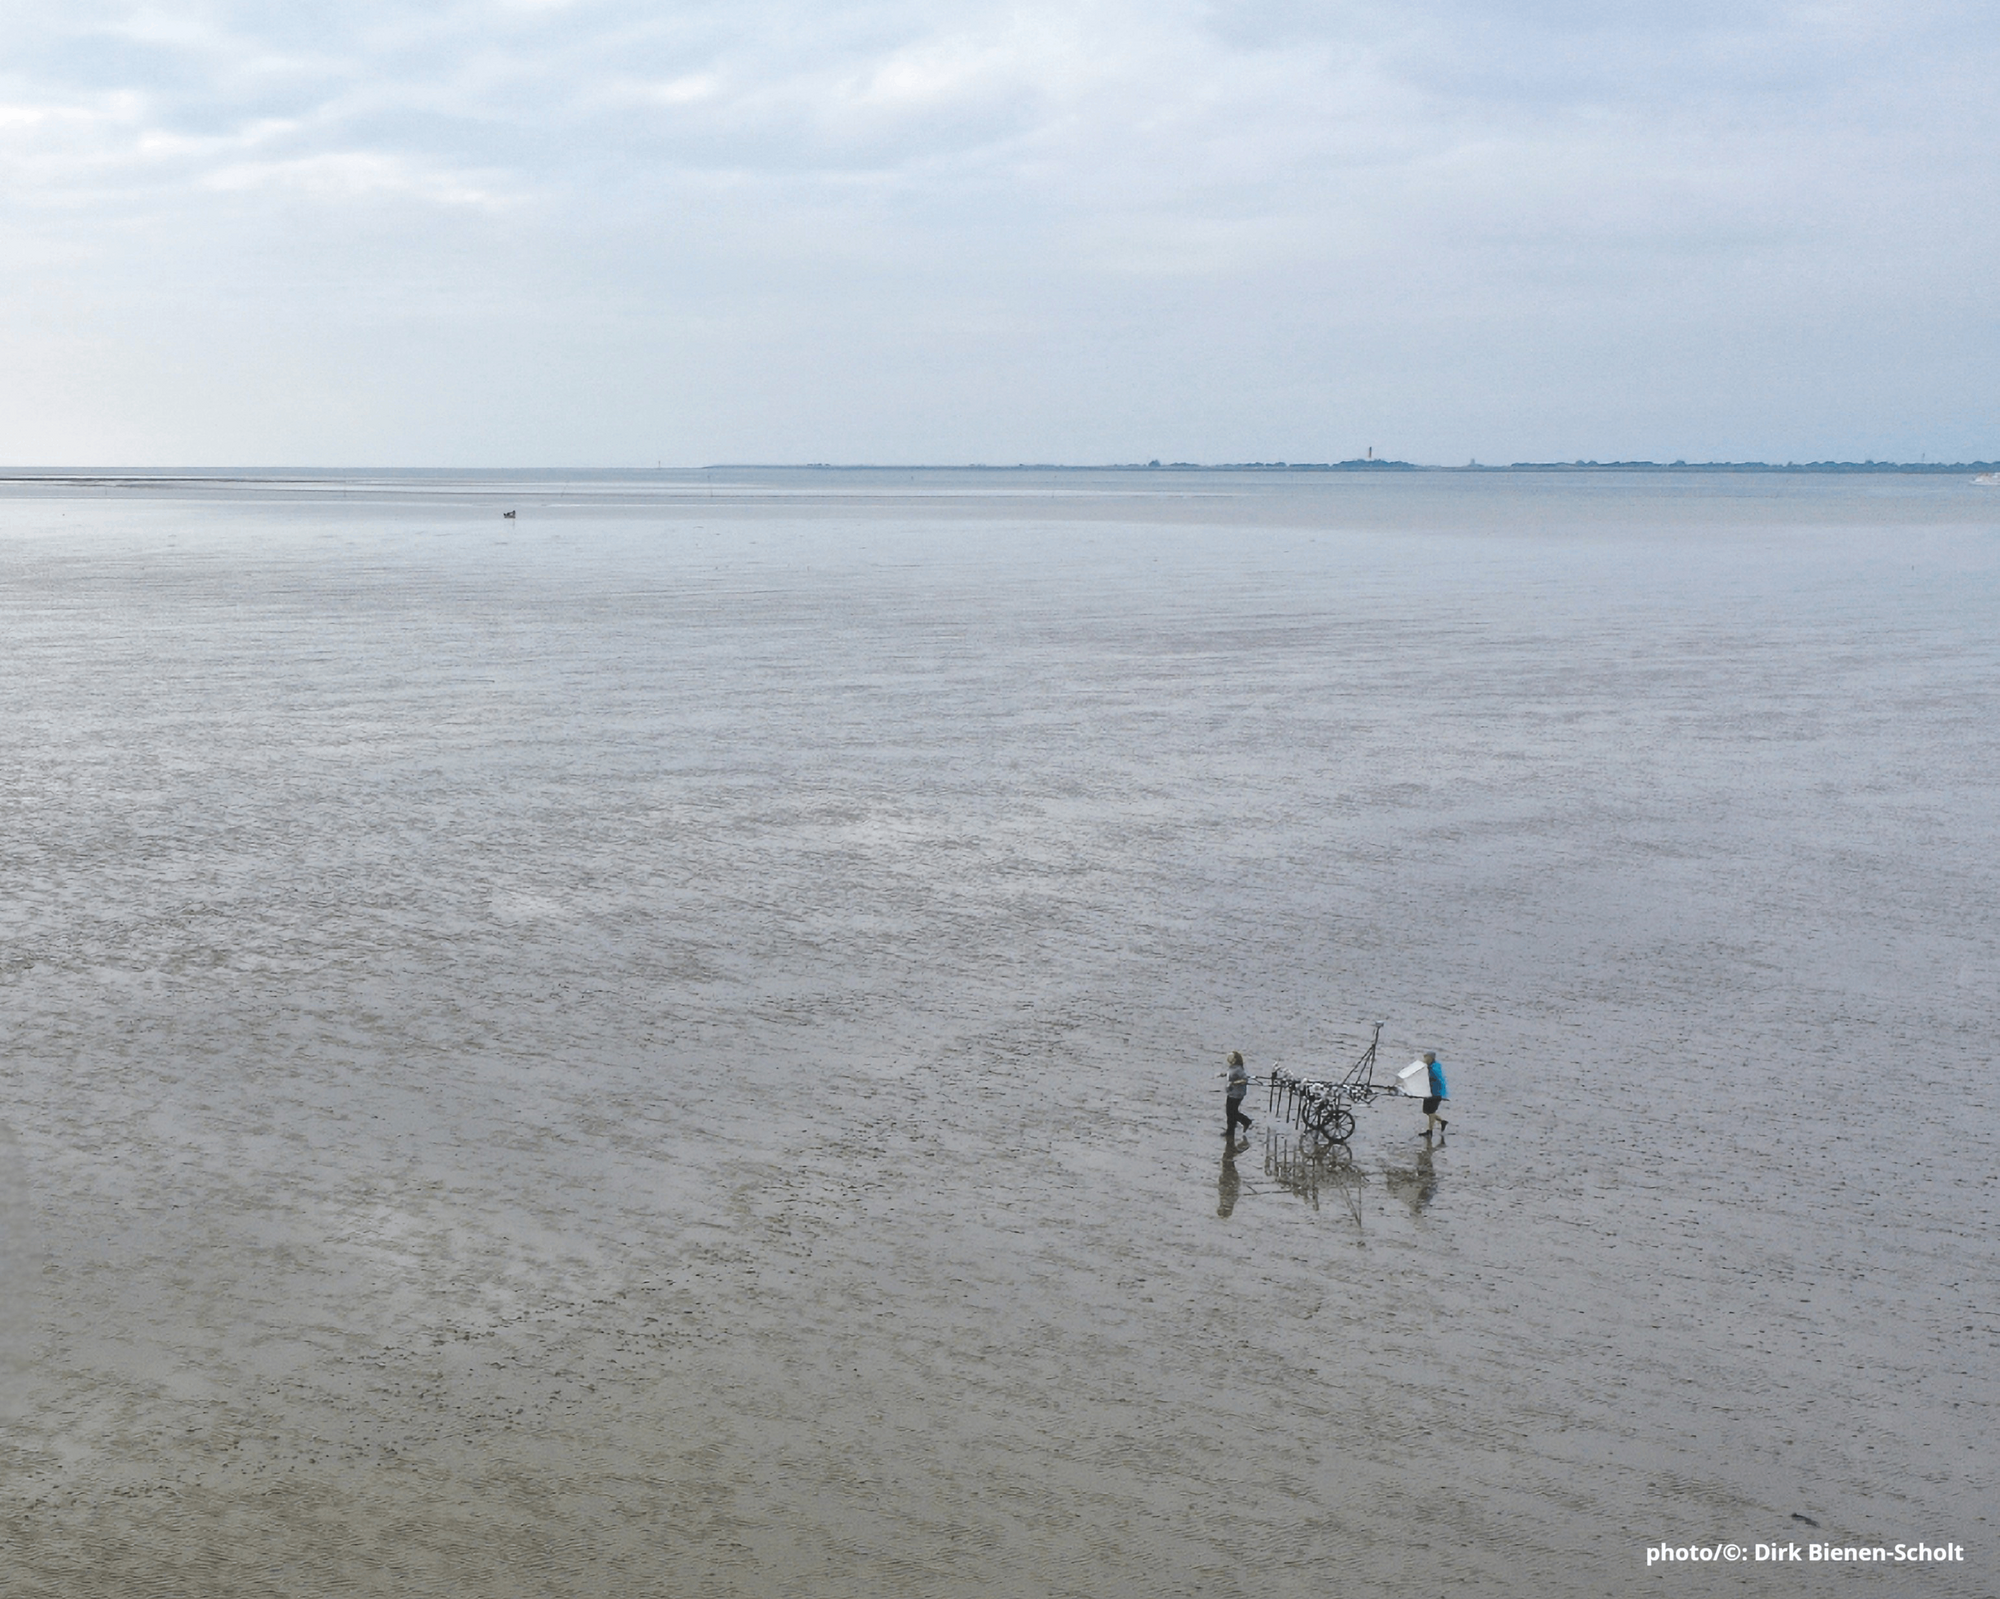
{"points": [[1318, 1115], [1340, 1127]]}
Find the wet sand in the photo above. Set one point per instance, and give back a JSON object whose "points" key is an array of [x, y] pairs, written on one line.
{"points": [[669, 1046]]}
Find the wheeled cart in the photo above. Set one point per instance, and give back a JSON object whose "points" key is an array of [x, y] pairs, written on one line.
{"points": [[1325, 1107]]}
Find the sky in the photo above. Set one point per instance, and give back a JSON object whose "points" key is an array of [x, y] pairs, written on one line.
{"points": [[604, 233]]}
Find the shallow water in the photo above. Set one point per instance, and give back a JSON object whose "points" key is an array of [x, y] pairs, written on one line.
{"points": [[668, 1045]]}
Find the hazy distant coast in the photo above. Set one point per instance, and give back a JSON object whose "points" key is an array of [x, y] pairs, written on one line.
{"points": [[1372, 465], [186, 477], [1733, 466]]}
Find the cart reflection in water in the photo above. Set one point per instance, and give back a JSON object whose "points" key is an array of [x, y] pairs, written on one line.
{"points": [[1313, 1166]]}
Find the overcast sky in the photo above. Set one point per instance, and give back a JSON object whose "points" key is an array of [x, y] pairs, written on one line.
{"points": [[1089, 230]]}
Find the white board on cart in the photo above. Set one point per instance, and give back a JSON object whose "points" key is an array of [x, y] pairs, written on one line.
{"points": [[1414, 1080]]}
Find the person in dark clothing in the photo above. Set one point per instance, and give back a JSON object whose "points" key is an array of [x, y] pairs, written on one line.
{"points": [[1239, 1085]]}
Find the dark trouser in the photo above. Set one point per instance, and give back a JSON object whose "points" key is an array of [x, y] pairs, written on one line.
{"points": [[1235, 1115]]}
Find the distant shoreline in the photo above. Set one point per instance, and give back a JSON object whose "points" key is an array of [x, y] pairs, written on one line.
{"points": [[131, 477], [1923, 467]]}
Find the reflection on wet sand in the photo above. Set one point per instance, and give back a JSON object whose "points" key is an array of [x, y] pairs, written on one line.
{"points": [[1313, 1167], [1230, 1184], [1417, 1185], [1309, 1166]]}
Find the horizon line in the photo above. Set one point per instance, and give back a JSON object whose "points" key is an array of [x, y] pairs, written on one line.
{"points": [[98, 474]]}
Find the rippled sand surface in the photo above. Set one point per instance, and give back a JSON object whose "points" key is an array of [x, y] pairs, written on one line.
{"points": [[668, 1046]]}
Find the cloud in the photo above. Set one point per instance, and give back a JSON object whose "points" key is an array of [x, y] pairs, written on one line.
{"points": [[1270, 190], [353, 175], [1255, 107]]}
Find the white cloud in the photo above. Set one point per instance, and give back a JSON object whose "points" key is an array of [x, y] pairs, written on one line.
{"points": [[1268, 191], [690, 89], [354, 175]]}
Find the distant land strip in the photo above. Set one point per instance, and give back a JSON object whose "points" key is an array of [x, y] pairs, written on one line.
{"points": [[1733, 466], [1372, 465], [272, 477]]}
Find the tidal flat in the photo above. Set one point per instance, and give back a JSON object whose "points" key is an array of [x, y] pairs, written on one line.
{"points": [[668, 1045]]}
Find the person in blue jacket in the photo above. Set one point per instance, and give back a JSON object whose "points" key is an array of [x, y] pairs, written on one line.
{"points": [[1435, 1100]]}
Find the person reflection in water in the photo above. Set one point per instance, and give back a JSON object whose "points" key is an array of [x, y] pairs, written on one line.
{"points": [[1230, 1185], [1427, 1182], [1239, 1085], [1418, 1187]]}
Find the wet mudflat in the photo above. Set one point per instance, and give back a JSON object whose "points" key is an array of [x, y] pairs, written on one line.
{"points": [[667, 1046]]}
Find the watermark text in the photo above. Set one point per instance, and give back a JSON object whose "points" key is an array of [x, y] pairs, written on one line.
{"points": [[1804, 1554]]}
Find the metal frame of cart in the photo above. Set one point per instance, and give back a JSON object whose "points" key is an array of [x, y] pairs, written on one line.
{"points": [[1326, 1108]]}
